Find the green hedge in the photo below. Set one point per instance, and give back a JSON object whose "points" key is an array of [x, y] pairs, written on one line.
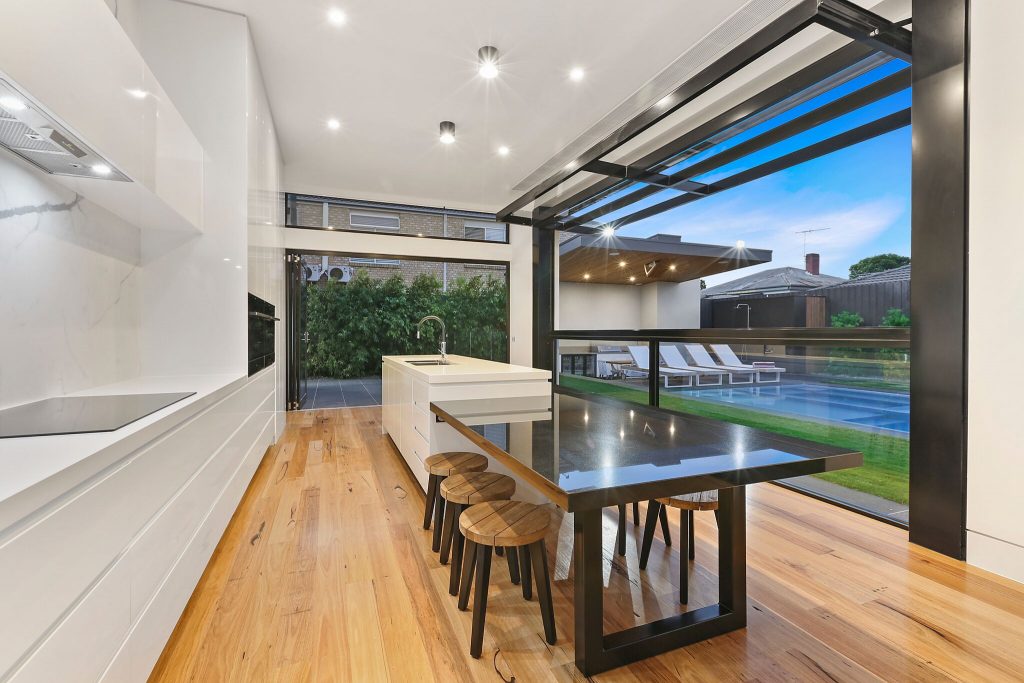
{"points": [[352, 325]]}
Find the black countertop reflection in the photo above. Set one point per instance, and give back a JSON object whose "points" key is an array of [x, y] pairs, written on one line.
{"points": [[585, 452]]}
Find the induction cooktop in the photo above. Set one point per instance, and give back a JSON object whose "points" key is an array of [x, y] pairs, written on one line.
{"points": [[82, 414]]}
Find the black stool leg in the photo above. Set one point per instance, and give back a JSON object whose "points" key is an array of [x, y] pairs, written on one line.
{"points": [[653, 508], [466, 582], [483, 574], [499, 551], [513, 566], [636, 513], [524, 569], [685, 523], [431, 494], [458, 545], [692, 546], [664, 526], [620, 535], [539, 555], [451, 519], [438, 521]]}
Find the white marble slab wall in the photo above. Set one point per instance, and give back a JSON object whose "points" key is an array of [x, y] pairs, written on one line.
{"points": [[69, 291]]}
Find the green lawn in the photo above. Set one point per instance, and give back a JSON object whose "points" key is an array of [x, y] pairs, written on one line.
{"points": [[886, 458]]}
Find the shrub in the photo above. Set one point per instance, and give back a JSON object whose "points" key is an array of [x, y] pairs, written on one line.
{"points": [[847, 319], [895, 317]]}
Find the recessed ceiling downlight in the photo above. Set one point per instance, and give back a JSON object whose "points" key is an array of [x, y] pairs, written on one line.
{"points": [[447, 132], [336, 16], [101, 169], [333, 124], [488, 58], [576, 74], [503, 151]]}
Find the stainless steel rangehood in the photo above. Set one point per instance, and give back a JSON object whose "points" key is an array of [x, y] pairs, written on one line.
{"points": [[33, 135]]}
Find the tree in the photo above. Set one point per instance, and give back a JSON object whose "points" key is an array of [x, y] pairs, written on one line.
{"points": [[847, 319], [878, 263], [895, 317]]}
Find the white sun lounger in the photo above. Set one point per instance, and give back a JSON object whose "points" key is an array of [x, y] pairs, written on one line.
{"points": [[729, 358], [642, 361], [673, 359], [703, 359]]}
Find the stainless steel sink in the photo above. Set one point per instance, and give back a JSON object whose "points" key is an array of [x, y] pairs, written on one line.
{"points": [[428, 362]]}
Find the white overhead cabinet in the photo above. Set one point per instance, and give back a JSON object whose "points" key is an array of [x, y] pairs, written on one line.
{"points": [[73, 60]]}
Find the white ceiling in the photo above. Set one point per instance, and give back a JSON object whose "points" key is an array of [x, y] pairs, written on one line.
{"points": [[398, 68]]}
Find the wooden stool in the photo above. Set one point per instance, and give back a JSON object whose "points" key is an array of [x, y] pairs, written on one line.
{"points": [[440, 466], [511, 524], [686, 504], [459, 492]]}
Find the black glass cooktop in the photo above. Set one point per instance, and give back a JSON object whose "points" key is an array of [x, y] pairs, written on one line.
{"points": [[82, 414]]}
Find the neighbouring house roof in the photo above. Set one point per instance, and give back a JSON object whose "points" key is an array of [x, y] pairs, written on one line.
{"points": [[783, 280], [660, 258], [900, 274]]}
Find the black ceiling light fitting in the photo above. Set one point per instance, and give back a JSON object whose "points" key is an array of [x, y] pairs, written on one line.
{"points": [[488, 58], [447, 132]]}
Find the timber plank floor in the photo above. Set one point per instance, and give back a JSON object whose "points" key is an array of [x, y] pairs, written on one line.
{"points": [[325, 574]]}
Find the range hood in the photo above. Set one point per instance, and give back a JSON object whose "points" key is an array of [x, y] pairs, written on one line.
{"points": [[33, 135]]}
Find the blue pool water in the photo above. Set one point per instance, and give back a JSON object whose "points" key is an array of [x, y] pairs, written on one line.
{"points": [[861, 408]]}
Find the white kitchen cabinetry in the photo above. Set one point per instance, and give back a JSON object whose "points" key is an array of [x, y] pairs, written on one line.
{"points": [[408, 390]]}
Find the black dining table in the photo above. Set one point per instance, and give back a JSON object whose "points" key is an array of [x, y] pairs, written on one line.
{"points": [[585, 453]]}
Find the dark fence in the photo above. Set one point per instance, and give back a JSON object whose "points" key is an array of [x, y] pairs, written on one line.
{"points": [[870, 300]]}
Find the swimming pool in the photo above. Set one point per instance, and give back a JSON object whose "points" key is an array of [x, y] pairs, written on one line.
{"points": [[871, 410]]}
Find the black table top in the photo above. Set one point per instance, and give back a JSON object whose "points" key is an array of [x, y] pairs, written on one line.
{"points": [[82, 414], [585, 452]]}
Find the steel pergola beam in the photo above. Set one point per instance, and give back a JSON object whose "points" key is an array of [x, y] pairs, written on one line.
{"points": [[881, 126], [873, 92], [777, 32], [872, 31], [842, 16]]}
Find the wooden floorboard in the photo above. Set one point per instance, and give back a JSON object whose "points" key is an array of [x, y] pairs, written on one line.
{"points": [[325, 574]]}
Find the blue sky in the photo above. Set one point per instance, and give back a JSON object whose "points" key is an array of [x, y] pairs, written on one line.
{"points": [[861, 193]]}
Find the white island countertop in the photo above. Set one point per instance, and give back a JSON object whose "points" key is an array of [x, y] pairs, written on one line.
{"points": [[466, 369]]}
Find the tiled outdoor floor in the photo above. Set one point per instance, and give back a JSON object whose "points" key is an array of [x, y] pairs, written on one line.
{"points": [[342, 393]]}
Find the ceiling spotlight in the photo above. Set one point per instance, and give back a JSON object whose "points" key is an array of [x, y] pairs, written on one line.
{"points": [[608, 231], [672, 266], [576, 74], [138, 93], [12, 103], [101, 169], [503, 151], [740, 244], [336, 16], [226, 259], [622, 264], [333, 124], [488, 57], [632, 278], [447, 132], [586, 276]]}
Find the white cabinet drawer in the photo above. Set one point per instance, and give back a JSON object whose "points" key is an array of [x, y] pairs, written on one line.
{"points": [[421, 395], [421, 423]]}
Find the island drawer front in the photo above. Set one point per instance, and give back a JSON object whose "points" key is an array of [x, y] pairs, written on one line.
{"points": [[421, 394], [417, 449], [459, 391], [46, 566], [420, 422]]}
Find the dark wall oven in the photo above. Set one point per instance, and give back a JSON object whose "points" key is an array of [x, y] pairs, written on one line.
{"points": [[261, 334]]}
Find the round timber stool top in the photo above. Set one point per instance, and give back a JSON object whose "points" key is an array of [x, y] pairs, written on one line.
{"points": [[702, 500], [477, 487], [455, 462], [505, 523]]}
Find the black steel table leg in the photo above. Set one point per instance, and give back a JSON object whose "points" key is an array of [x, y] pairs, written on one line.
{"points": [[620, 535], [588, 590], [732, 552]]}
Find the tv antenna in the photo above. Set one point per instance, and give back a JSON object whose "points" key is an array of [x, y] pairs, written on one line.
{"points": [[807, 232]]}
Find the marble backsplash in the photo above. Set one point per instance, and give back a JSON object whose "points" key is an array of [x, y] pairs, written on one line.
{"points": [[69, 289]]}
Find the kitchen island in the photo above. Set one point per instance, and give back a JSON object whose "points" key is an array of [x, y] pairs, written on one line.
{"points": [[585, 453], [411, 383]]}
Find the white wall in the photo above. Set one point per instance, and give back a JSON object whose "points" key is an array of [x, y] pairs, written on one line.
{"points": [[995, 464], [518, 252], [70, 281], [659, 305]]}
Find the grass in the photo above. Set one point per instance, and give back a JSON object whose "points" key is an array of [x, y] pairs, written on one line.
{"points": [[886, 458]]}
